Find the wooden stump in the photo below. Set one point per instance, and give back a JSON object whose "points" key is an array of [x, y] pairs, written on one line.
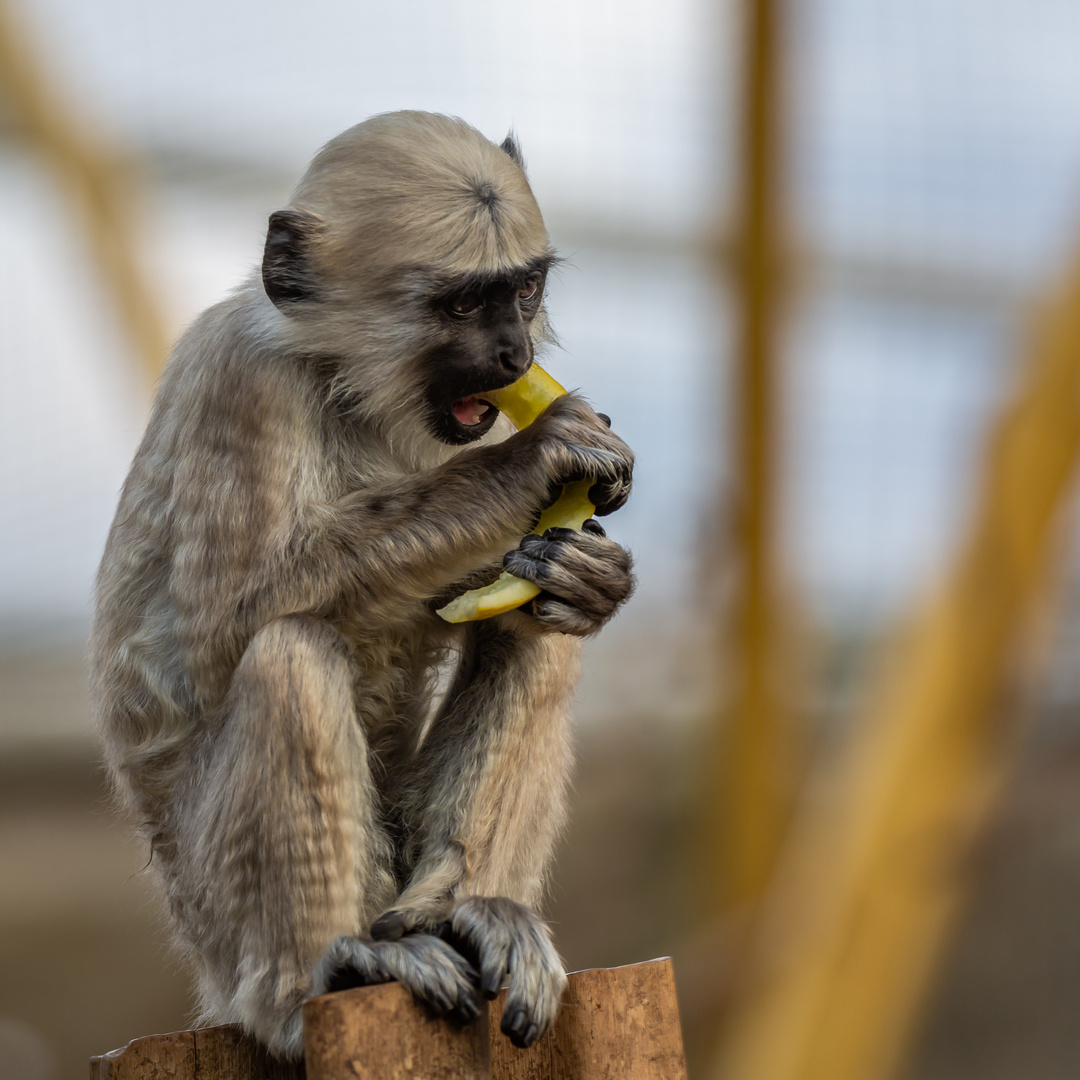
{"points": [[614, 1024], [384, 1033], [217, 1053]]}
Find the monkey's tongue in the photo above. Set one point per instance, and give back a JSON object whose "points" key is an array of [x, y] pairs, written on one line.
{"points": [[469, 411]]}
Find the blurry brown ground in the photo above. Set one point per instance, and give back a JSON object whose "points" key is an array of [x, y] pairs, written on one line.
{"points": [[84, 965]]}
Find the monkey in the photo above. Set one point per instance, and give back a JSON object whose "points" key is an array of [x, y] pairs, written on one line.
{"points": [[339, 788]]}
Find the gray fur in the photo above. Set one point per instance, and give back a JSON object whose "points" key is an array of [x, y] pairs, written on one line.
{"points": [[265, 651]]}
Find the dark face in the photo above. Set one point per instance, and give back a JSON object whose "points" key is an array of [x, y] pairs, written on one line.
{"points": [[485, 346]]}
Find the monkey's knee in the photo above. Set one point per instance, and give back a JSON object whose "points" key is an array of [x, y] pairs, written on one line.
{"points": [[294, 653], [295, 680]]}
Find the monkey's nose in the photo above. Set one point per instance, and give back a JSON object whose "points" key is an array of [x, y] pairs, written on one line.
{"points": [[513, 359]]}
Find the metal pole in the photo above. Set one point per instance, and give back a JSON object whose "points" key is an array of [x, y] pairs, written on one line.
{"points": [[747, 809], [871, 881], [99, 185]]}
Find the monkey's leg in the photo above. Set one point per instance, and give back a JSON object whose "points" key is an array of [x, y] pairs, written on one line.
{"points": [[484, 800], [286, 852]]}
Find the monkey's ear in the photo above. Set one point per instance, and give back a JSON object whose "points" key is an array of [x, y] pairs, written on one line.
{"points": [[287, 272], [509, 146]]}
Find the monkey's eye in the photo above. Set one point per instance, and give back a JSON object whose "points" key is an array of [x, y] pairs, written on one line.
{"points": [[529, 290], [464, 305]]}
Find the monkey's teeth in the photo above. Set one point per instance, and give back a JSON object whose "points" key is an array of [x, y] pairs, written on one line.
{"points": [[470, 411]]}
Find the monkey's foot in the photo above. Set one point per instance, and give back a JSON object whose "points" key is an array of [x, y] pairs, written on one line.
{"points": [[509, 943], [435, 972]]}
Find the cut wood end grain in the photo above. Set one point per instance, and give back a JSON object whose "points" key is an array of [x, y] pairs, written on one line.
{"points": [[614, 1022]]}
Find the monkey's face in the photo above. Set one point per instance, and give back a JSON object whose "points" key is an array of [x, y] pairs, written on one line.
{"points": [[484, 344], [414, 257]]}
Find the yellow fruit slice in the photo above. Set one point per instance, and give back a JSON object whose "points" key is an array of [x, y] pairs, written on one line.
{"points": [[523, 402]]}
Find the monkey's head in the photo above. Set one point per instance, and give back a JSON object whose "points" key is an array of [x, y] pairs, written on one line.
{"points": [[414, 255]]}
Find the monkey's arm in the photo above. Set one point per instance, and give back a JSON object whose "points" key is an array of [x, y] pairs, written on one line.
{"points": [[405, 540]]}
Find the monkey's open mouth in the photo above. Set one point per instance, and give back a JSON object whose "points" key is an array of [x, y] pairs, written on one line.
{"points": [[464, 420], [470, 411]]}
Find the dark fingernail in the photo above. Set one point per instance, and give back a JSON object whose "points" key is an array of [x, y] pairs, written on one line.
{"points": [[604, 416], [388, 928], [539, 606], [593, 526], [490, 986], [532, 1033], [512, 1023]]}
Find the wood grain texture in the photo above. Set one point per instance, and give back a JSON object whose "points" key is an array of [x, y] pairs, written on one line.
{"points": [[614, 1024], [383, 1033], [218, 1053], [226, 1053], [156, 1057]]}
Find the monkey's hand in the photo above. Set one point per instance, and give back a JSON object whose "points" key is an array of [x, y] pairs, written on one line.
{"points": [[508, 943], [436, 973], [569, 442], [569, 461], [583, 576]]}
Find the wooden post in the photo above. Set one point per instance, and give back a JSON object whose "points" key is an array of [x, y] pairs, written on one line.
{"points": [[384, 1033], [218, 1053], [614, 1022]]}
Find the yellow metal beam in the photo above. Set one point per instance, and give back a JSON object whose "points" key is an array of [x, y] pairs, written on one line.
{"points": [[98, 183], [746, 808], [868, 887]]}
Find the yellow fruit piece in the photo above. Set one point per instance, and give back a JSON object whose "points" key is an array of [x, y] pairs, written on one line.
{"points": [[523, 402]]}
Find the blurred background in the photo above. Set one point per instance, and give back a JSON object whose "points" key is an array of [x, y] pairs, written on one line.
{"points": [[820, 273]]}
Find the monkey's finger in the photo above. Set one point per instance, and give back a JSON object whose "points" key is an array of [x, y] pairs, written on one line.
{"points": [[559, 581], [469, 949], [587, 570], [479, 936], [589, 525], [434, 972], [609, 496], [347, 963], [512, 941], [535, 986], [391, 926], [563, 618], [494, 965]]}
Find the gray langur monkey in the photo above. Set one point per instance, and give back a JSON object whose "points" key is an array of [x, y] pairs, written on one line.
{"points": [[319, 475]]}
